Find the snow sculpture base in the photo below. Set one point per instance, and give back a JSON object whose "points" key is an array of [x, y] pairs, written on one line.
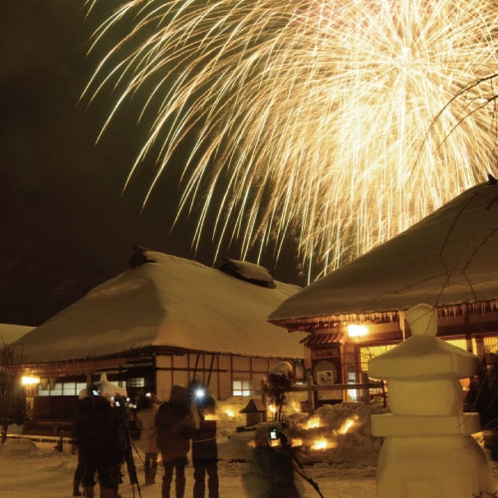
{"points": [[428, 451], [414, 425], [433, 467]]}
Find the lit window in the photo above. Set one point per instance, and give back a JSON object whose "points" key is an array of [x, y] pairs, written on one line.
{"points": [[57, 389], [136, 382], [241, 388]]}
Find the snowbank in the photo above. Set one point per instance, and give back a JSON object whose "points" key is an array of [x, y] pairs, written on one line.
{"points": [[339, 434]]}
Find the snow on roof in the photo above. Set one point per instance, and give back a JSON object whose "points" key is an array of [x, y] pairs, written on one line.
{"points": [[10, 333], [250, 272], [167, 301], [447, 259]]}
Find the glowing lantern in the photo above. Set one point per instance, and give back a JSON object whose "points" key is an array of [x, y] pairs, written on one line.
{"points": [[320, 444], [356, 330], [313, 423], [346, 426], [29, 380]]}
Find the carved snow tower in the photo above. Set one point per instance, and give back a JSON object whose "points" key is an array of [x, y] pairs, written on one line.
{"points": [[428, 450]]}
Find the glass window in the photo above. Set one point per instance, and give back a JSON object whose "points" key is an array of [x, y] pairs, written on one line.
{"points": [[241, 388], [57, 389], [136, 382]]}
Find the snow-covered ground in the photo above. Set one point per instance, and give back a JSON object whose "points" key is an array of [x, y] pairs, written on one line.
{"points": [[345, 467]]}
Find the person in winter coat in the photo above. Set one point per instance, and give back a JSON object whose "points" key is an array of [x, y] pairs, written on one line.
{"points": [[484, 400], [78, 473], [146, 423], [205, 449], [175, 426], [270, 471], [95, 429]]}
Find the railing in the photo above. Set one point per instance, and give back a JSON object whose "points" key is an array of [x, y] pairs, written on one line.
{"points": [[58, 432], [363, 388]]}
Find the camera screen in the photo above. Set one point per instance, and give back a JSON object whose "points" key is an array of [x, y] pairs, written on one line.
{"points": [[273, 434]]}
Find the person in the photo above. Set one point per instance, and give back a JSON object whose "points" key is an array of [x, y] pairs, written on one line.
{"points": [[485, 402], [175, 425], [205, 449], [78, 472], [269, 473], [95, 431], [78, 476], [120, 439], [146, 423]]}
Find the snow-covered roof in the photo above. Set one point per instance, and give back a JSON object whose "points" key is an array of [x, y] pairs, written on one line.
{"points": [[167, 301], [11, 333], [447, 259]]}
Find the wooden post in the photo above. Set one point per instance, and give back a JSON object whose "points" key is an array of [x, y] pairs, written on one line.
{"points": [[263, 400], [311, 396], [366, 388]]}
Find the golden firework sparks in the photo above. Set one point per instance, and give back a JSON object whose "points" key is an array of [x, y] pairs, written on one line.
{"points": [[308, 117]]}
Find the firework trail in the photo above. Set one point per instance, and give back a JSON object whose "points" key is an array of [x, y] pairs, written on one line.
{"points": [[308, 118]]}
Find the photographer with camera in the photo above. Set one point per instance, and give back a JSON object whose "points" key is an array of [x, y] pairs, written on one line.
{"points": [[204, 445], [98, 444], [270, 471], [175, 427], [146, 423]]}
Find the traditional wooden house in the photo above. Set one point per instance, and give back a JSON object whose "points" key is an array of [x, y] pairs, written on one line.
{"points": [[164, 321], [448, 260]]}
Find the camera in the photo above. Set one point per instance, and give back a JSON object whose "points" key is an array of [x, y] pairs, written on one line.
{"points": [[274, 434]]}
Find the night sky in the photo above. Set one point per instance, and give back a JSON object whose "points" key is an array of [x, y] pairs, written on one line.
{"points": [[66, 224]]}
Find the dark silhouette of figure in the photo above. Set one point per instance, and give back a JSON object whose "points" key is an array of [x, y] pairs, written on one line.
{"points": [[270, 471], [98, 444], [175, 426], [483, 397], [205, 449]]}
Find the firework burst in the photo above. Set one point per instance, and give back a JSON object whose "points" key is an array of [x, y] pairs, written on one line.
{"points": [[312, 118]]}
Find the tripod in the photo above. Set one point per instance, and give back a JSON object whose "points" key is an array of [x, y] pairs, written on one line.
{"points": [[130, 463], [298, 468]]}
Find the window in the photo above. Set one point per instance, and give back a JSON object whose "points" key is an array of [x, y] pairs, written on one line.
{"points": [[241, 388], [135, 382], [61, 388], [369, 352]]}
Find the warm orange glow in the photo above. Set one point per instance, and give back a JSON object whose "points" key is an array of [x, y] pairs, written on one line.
{"points": [[211, 416], [357, 330], [313, 422], [346, 426], [320, 444], [272, 408], [28, 380], [229, 412]]}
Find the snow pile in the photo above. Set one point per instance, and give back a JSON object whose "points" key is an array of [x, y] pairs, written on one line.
{"points": [[19, 448], [11, 333], [339, 434]]}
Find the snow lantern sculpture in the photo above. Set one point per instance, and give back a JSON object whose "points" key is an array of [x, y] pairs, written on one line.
{"points": [[428, 450], [109, 390]]}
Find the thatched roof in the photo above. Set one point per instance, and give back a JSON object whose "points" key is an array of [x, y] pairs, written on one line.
{"points": [[167, 301], [448, 260]]}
